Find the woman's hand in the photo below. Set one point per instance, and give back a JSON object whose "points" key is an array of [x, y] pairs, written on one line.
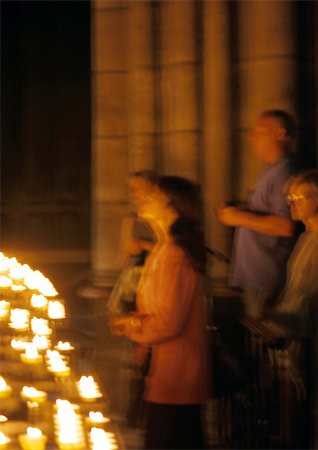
{"points": [[125, 325], [118, 325]]}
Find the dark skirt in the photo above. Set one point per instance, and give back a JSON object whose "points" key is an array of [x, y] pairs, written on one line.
{"points": [[173, 427]]}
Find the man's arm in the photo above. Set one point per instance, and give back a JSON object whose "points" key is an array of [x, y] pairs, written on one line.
{"points": [[270, 224]]}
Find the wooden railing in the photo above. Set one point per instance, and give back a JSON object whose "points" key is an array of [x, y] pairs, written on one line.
{"points": [[263, 386]]}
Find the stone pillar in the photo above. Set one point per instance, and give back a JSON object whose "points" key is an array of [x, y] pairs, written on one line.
{"points": [[141, 90], [109, 137], [217, 129], [180, 103], [267, 64]]}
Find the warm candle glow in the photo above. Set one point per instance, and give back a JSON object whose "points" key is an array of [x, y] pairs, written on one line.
{"points": [[39, 301], [101, 440], [30, 393], [88, 389], [5, 390], [16, 273], [34, 439], [64, 346], [40, 326], [56, 310], [4, 440], [41, 342], [35, 280], [53, 354], [34, 432], [19, 319], [4, 308], [31, 355], [68, 425], [5, 282], [18, 344], [59, 368], [3, 384], [18, 287], [31, 352], [56, 364], [97, 418]]}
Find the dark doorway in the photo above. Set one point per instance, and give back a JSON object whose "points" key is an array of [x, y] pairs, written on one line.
{"points": [[45, 126]]}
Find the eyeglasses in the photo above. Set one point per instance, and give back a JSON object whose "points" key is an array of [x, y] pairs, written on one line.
{"points": [[295, 198]]}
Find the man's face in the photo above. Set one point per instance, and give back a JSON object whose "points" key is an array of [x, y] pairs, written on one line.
{"points": [[265, 135]]}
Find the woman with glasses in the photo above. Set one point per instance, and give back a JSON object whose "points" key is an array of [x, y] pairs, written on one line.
{"points": [[298, 303]]}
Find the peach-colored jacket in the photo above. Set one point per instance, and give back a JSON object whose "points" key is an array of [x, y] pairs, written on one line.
{"points": [[171, 296]]}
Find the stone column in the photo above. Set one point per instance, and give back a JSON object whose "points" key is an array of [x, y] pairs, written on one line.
{"points": [[109, 138], [267, 64], [141, 90], [217, 132], [180, 105]]}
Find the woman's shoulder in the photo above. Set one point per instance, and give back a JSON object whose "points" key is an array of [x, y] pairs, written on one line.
{"points": [[172, 251]]}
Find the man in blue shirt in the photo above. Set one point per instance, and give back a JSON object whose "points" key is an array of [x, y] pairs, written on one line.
{"points": [[264, 237]]}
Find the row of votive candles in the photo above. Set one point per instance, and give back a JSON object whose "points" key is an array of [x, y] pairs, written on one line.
{"points": [[18, 277], [87, 387], [69, 431], [20, 318]]}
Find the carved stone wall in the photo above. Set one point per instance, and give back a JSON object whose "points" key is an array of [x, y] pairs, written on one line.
{"points": [[93, 91], [178, 84]]}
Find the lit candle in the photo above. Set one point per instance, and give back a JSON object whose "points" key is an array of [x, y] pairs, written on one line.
{"points": [[41, 342], [34, 439], [4, 309], [35, 280], [5, 282], [40, 326], [4, 441], [56, 364], [102, 440], [18, 344], [64, 346], [31, 394], [18, 287], [88, 389], [96, 418], [68, 426], [31, 355], [59, 368], [56, 310], [39, 301], [19, 319], [16, 272], [5, 390]]}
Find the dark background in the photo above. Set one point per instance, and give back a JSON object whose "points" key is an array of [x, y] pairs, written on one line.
{"points": [[45, 125]]}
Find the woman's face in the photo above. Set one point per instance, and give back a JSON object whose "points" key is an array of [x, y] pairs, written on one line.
{"points": [[156, 206], [303, 205], [140, 189]]}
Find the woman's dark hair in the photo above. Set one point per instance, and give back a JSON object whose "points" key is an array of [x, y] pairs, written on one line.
{"points": [[149, 175], [187, 231]]}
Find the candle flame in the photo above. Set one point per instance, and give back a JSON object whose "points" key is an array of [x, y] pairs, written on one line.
{"points": [[4, 439], [34, 433], [56, 310], [38, 301]]}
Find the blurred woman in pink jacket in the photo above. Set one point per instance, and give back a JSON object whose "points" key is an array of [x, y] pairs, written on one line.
{"points": [[170, 318]]}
